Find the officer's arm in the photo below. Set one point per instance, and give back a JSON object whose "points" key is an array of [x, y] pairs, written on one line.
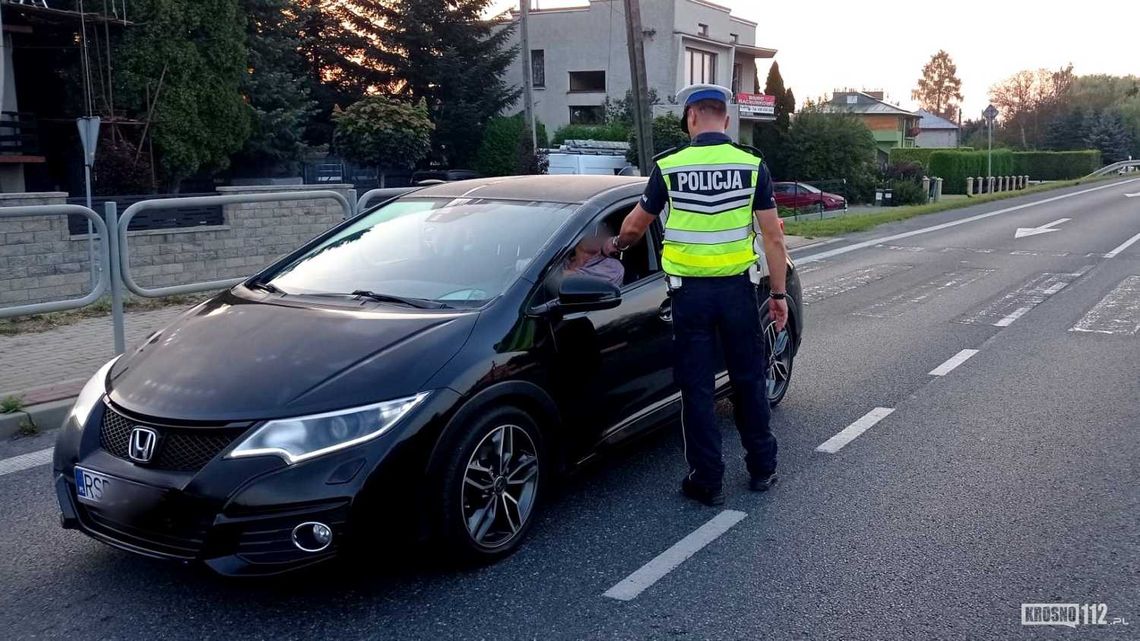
{"points": [[636, 223], [775, 251]]}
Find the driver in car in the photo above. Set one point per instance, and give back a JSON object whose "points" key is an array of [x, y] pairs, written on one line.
{"points": [[589, 260]]}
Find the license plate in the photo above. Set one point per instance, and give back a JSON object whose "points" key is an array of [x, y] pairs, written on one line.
{"points": [[92, 487]]}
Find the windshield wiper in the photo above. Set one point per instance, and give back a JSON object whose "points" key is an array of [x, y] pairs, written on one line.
{"points": [[265, 287], [390, 298]]}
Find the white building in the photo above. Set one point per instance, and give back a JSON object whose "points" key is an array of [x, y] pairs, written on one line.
{"points": [[580, 57], [936, 131]]}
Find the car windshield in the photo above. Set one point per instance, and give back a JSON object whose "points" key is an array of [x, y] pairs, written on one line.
{"points": [[458, 251], [808, 188]]}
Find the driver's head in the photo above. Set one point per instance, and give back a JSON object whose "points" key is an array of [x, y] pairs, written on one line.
{"points": [[589, 247]]}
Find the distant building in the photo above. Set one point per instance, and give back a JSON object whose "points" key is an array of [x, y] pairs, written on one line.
{"points": [[891, 125], [579, 58], [936, 131]]}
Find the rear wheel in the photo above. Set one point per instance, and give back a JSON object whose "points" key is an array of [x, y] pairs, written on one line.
{"points": [[491, 485]]}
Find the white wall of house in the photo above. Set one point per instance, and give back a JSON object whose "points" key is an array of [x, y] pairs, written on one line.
{"points": [[933, 138], [593, 38]]}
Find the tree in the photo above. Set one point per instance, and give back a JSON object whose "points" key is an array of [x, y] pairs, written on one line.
{"points": [[667, 134], [621, 111], [444, 52], [770, 137], [1108, 133], [339, 51], [275, 87], [939, 90], [828, 146], [197, 48], [384, 133], [1068, 131], [1029, 98]]}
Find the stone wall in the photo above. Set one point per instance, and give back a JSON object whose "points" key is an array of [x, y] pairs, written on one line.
{"points": [[40, 261]]}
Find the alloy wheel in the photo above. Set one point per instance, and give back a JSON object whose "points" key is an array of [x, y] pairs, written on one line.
{"points": [[779, 360], [500, 485]]}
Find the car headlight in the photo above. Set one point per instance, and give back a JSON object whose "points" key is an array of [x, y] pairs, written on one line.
{"points": [[301, 438], [94, 390]]}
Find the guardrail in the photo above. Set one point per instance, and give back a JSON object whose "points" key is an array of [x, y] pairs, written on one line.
{"points": [[203, 201], [100, 280], [110, 266], [1116, 166]]}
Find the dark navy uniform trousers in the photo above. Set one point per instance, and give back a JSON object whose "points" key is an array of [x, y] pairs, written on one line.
{"points": [[702, 309]]}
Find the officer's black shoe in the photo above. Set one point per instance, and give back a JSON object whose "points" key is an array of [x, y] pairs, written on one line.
{"points": [[707, 496], [762, 483]]}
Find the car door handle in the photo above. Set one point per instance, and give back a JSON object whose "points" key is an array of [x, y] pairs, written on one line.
{"points": [[665, 312]]}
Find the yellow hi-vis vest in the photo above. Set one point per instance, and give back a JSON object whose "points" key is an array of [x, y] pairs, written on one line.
{"points": [[709, 229]]}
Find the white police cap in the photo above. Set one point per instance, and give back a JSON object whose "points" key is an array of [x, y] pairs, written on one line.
{"points": [[696, 93]]}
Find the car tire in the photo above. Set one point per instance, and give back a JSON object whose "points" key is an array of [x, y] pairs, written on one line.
{"points": [[491, 485], [781, 354]]}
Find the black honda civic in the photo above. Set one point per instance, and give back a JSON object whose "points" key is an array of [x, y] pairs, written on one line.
{"points": [[423, 369]]}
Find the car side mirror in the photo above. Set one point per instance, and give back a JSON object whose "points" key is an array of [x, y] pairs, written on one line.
{"points": [[579, 293]]}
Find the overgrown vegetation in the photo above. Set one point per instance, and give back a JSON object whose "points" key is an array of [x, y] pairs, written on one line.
{"points": [[505, 149], [667, 134], [11, 404], [385, 133]]}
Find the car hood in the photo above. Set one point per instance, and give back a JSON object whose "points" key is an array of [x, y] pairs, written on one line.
{"points": [[234, 358]]}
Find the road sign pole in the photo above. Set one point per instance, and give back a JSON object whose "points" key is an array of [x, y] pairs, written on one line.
{"points": [[990, 150]]}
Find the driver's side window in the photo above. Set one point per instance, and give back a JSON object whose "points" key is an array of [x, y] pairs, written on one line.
{"points": [[632, 266], [639, 261]]}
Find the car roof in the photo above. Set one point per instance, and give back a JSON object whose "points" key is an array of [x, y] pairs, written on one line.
{"points": [[557, 188]]}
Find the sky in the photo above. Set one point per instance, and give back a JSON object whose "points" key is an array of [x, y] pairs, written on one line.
{"points": [[883, 44]]}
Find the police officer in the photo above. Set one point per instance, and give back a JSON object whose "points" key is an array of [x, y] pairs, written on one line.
{"points": [[714, 189]]}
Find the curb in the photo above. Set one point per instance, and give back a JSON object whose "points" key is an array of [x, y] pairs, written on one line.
{"points": [[46, 416]]}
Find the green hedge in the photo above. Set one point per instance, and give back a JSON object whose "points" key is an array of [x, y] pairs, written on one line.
{"points": [[953, 167], [613, 132], [498, 153], [1056, 165], [920, 155]]}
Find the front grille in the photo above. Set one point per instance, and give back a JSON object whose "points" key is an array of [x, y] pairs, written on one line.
{"points": [[183, 541], [181, 449]]}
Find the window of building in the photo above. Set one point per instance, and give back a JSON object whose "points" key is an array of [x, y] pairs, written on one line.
{"points": [[700, 66], [735, 37], [589, 81], [587, 114], [737, 72], [538, 67], [702, 29], [852, 99]]}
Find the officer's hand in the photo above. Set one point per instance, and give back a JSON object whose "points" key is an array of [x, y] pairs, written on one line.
{"points": [[608, 248], [779, 312]]}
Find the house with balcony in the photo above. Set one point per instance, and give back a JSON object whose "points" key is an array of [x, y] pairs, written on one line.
{"points": [[891, 125], [579, 57]]}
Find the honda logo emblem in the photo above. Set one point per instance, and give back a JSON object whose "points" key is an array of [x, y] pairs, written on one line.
{"points": [[143, 440]]}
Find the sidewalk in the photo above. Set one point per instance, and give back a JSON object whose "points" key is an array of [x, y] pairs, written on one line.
{"points": [[46, 366]]}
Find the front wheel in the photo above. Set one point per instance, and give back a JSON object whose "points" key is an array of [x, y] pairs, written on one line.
{"points": [[491, 485], [780, 357]]}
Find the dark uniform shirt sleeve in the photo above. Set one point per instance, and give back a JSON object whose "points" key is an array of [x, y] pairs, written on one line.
{"points": [[764, 198], [656, 193]]}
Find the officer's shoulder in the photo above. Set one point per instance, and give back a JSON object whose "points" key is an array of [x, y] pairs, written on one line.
{"points": [[670, 152], [748, 148]]}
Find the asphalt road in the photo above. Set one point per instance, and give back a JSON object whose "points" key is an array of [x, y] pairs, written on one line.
{"points": [[1013, 478]]}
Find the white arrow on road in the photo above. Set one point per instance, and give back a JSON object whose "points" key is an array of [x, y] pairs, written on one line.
{"points": [[1132, 195], [1022, 232]]}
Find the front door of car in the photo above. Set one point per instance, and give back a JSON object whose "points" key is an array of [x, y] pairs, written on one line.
{"points": [[612, 364]]}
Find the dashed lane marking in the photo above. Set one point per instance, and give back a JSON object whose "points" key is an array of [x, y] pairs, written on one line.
{"points": [[1125, 245], [849, 433], [645, 576], [953, 362], [1117, 313], [25, 461]]}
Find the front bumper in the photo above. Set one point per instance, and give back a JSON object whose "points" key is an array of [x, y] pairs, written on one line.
{"points": [[235, 515]]}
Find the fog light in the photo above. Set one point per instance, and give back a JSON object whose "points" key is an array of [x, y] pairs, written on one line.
{"points": [[312, 536]]}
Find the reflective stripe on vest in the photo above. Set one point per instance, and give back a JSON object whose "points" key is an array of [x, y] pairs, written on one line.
{"points": [[708, 237], [709, 229]]}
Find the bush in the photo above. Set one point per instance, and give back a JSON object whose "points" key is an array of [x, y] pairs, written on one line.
{"points": [[920, 155], [907, 192], [911, 171], [499, 153], [1056, 165], [828, 146], [953, 167], [667, 134], [613, 132]]}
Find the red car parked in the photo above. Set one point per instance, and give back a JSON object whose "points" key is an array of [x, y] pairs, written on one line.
{"points": [[804, 196]]}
